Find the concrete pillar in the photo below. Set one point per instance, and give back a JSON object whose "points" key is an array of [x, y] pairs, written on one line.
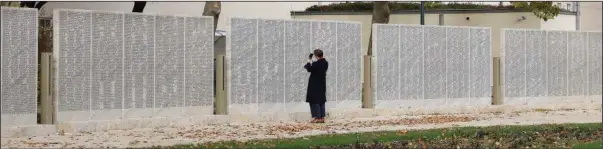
{"points": [[47, 107], [497, 98], [221, 100], [367, 100], [441, 19]]}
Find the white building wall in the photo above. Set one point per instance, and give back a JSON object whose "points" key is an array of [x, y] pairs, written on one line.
{"points": [[269, 10], [591, 16], [561, 22]]}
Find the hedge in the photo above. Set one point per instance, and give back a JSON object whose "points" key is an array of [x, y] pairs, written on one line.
{"points": [[398, 6]]}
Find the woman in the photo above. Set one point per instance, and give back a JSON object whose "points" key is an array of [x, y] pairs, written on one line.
{"points": [[316, 94]]}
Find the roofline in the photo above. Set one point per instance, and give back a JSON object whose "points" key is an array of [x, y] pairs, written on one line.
{"points": [[442, 11]]}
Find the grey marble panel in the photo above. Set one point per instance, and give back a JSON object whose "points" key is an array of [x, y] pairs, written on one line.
{"points": [[594, 63], [480, 80], [557, 63], [19, 61], [514, 63], [577, 64], [348, 61], [297, 47], [74, 66], [536, 63], [199, 61], [139, 60], [387, 48], [169, 62], [435, 62], [457, 62], [244, 61], [107, 61], [324, 38], [411, 62], [271, 61]]}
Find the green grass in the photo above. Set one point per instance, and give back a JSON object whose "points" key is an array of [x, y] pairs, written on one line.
{"points": [[538, 136], [597, 144]]}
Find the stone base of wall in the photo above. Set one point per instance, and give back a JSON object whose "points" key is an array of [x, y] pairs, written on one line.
{"points": [[29, 130], [9, 120]]}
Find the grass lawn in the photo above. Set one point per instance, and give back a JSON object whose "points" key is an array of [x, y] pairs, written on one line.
{"points": [[533, 136], [597, 144]]}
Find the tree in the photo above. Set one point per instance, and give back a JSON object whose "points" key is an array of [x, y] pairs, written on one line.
{"points": [[544, 10], [33, 4], [213, 9], [9, 4], [139, 6], [381, 12]]}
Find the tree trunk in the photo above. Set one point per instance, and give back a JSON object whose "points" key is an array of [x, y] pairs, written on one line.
{"points": [[40, 4], [139, 6], [381, 14], [213, 9]]}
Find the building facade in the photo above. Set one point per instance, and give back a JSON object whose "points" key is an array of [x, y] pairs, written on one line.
{"points": [[496, 19]]}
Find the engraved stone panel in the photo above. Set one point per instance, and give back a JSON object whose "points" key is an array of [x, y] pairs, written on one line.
{"points": [[480, 81], [535, 63], [139, 59], [594, 63], [577, 64], [19, 59], [386, 84], [244, 61], [348, 63], [457, 62], [74, 82], [411, 62], [199, 61], [435, 62], [297, 47], [324, 37], [169, 62], [514, 63], [107, 64], [271, 63], [557, 63]]}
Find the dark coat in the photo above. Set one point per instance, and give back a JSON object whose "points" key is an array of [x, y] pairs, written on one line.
{"points": [[317, 84]]}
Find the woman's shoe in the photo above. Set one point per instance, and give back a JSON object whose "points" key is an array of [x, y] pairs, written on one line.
{"points": [[320, 120], [314, 120]]}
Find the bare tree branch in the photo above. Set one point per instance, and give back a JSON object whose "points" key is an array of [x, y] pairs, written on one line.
{"points": [[40, 4], [139, 6]]}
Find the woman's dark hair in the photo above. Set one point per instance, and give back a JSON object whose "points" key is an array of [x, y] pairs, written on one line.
{"points": [[318, 53]]}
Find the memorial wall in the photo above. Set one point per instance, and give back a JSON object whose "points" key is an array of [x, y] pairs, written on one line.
{"points": [[114, 65], [266, 57], [426, 67], [547, 65]]}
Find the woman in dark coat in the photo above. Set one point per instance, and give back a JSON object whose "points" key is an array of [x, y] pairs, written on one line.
{"points": [[316, 95]]}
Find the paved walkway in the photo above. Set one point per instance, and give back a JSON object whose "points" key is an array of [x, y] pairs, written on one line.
{"points": [[198, 134]]}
